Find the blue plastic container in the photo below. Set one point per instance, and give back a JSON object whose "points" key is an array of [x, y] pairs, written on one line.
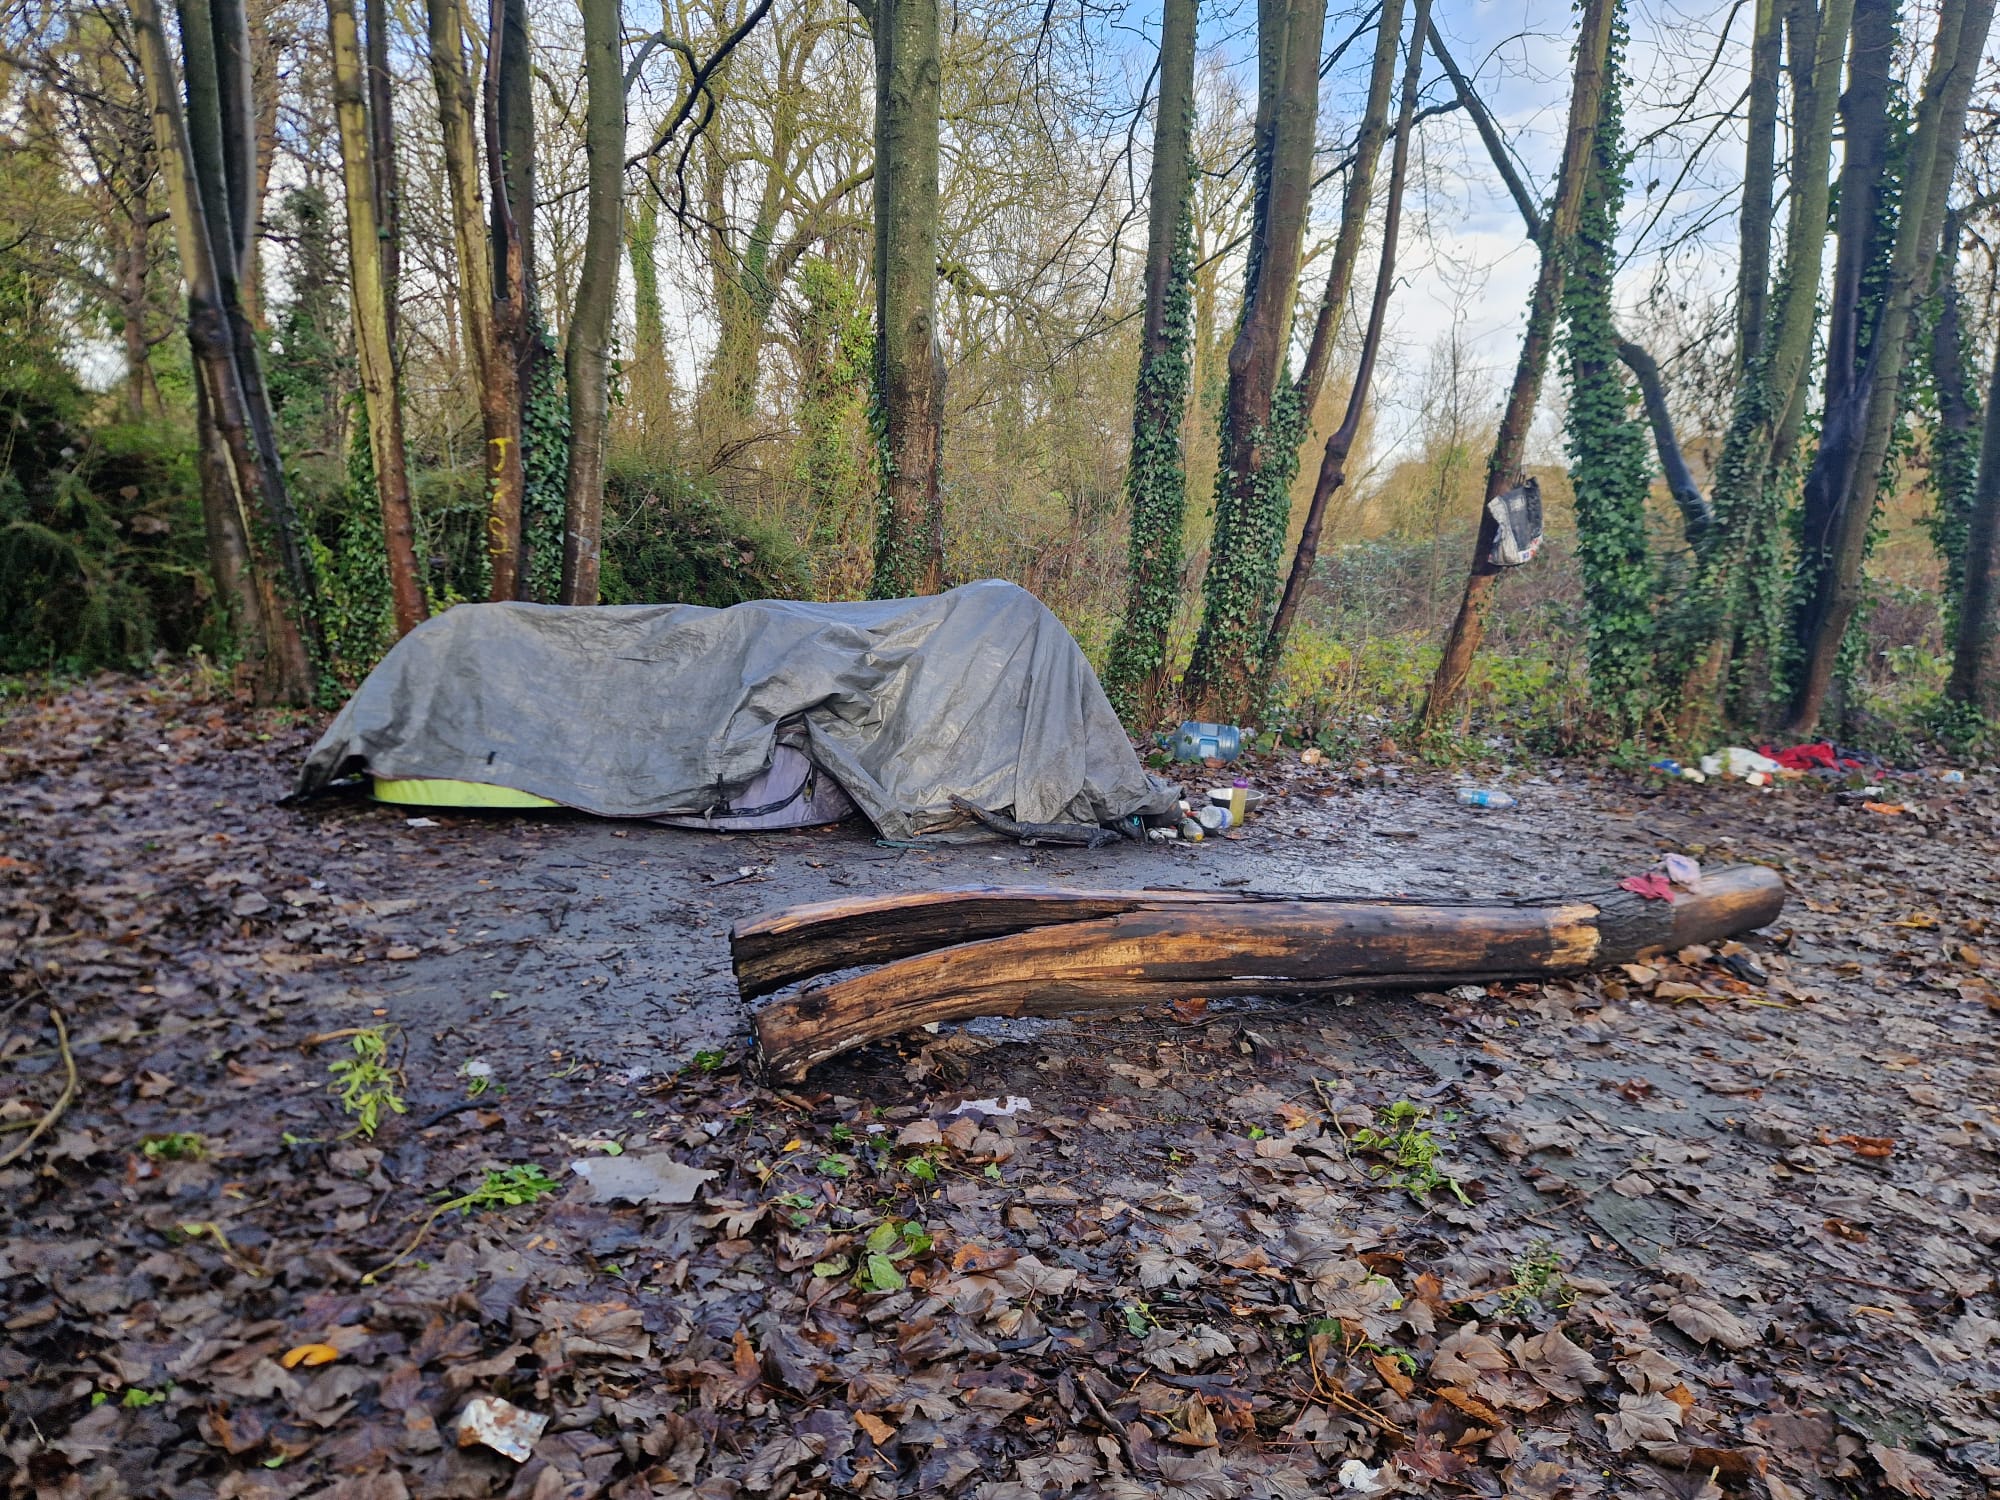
{"points": [[1196, 740]]}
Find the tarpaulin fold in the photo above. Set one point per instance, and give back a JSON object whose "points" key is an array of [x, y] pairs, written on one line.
{"points": [[652, 709]]}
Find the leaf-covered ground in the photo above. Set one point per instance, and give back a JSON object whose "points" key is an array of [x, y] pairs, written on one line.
{"points": [[1724, 1224]]}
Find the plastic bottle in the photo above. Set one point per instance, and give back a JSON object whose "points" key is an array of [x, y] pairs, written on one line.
{"points": [[1479, 796], [1199, 740]]}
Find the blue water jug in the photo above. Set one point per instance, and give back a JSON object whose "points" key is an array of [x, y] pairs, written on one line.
{"points": [[1195, 740]]}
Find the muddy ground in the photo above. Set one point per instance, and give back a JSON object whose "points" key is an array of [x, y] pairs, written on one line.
{"points": [[1721, 1225]]}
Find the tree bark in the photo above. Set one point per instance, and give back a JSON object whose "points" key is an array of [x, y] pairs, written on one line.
{"points": [[652, 382], [1974, 681], [489, 345], [1339, 443], [281, 666], [909, 366], [1259, 443], [382, 150], [221, 134], [1955, 441], [1753, 255], [589, 354], [506, 507], [1058, 952], [1504, 465], [1354, 204], [1846, 476], [1697, 515], [369, 299], [1156, 473], [1735, 573]]}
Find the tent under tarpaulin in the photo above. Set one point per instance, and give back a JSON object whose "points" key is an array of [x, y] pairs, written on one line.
{"points": [[656, 710]]}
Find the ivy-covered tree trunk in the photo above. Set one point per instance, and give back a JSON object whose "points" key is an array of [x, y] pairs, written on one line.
{"points": [[1975, 665], [1954, 465], [1156, 476], [1340, 442], [651, 378], [1260, 417], [1846, 477], [588, 362], [1504, 466], [369, 302], [232, 469], [909, 367], [1607, 446], [1738, 572]]}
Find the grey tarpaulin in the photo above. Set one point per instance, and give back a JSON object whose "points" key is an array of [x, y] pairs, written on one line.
{"points": [[646, 709]]}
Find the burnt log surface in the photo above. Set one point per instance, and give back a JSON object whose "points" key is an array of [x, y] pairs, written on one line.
{"points": [[951, 955]]}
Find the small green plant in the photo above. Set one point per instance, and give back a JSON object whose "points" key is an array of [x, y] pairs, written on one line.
{"points": [[502, 1187], [1537, 1281], [478, 1076], [890, 1242], [1409, 1151], [365, 1082], [135, 1397], [182, 1145], [709, 1062], [506, 1187]]}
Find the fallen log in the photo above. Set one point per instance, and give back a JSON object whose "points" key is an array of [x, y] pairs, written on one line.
{"points": [[1046, 952]]}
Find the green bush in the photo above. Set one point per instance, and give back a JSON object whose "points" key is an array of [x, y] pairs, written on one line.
{"points": [[668, 539], [101, 554]]}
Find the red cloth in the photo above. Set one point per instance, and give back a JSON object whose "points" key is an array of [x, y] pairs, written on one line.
{"points": [[1653, 887], [1820, 756]]}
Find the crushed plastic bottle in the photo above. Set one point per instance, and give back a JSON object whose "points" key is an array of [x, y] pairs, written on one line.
{"points": [[1480, 796]]}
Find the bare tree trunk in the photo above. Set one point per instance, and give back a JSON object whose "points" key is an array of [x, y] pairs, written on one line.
{"points": [[507, 503], [1753, 257], [369, 297], [281, 666], [1156, 474], [1504, 466], [1697, 516], [1354, 204], [1846, 476], [1259, 447], [909, 367], [221, 131], [130, 269], [1974, 681], [488, 344], [589, 353], [1333, 462], [382, 149]]}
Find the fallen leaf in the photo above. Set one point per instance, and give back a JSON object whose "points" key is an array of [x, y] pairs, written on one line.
{"points": [[654, 1178], [1706, 1320], [874, 1426], [309, 1354], [1641, 1419]]}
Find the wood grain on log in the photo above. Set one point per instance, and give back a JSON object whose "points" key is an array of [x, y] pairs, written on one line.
{"points": [[1046, 952]]}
